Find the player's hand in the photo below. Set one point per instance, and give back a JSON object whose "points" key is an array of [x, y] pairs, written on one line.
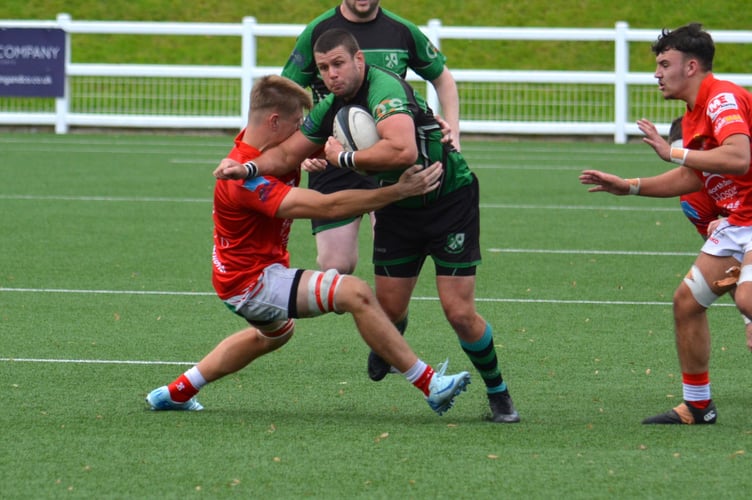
{"points": [[313, 164], [332, 149], [449, 136], [604, 182], [230, 169], [417, 180], [654, 139]]}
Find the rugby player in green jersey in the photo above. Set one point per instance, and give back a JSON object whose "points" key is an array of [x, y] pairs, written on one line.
{"points": [[445, 224]]}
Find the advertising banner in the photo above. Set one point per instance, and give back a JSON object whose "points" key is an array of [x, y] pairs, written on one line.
{"points": [[32, 62]]}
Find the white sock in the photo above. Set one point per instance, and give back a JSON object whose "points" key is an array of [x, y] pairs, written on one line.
{"points": [[195, 378], [415, 371]]}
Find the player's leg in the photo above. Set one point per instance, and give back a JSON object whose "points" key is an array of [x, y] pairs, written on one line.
{"points": [[743, 295], [229, 356], [394, 284], [323, 292], [337, 240], [265, 307], [691, 300], [394, 296], [238, 350], [457, 296], [337, 247]]}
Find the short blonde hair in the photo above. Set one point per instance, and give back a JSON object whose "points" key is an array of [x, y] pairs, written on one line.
{"points": [[277, 93]]}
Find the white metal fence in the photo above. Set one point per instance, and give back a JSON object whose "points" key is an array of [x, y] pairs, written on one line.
{"points": [[492, 101]]}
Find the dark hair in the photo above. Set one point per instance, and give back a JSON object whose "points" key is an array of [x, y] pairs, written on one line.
{"points": [[690, 40], [675, 132], [331, 39]]}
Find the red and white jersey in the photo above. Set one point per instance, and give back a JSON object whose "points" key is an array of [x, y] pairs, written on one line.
{"points": [[722, 109], [247, 235]]}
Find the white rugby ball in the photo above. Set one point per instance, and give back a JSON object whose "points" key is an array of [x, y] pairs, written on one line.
{"points": [[355, 128]]}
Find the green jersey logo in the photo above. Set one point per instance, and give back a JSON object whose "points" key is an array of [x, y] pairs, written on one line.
{"points": [[455, 243]]}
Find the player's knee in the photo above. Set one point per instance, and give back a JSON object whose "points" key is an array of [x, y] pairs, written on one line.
{"points": [[462, 317], [343, 264], [695, 290], [278, 334], [355, 295]]}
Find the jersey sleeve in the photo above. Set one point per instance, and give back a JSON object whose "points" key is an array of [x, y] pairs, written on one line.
{"points": [[261, 194], [317, 126], [729, 114], [386, 97], [300, 67]]}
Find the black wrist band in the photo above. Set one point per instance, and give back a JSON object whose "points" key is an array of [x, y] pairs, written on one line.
{"points": [[251, 170], [346, 159]]}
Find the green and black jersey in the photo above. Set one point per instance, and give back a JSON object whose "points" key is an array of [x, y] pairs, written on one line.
{"points": [[388, 42], [384, 94]]}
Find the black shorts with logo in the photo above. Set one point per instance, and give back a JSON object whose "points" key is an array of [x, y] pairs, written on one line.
{"points": [[447, 230], [335, 179]]}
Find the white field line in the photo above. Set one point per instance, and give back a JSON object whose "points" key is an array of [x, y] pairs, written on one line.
{"points": [[95, 361], [501, 206], [418, 298]]}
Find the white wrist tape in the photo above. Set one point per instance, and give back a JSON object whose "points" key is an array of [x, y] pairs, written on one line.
{"points": [[679, 155], [634, 186]]}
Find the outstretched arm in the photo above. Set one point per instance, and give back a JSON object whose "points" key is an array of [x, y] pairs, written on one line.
{"points": [[675, 182], [309, 204], [276, 161]]}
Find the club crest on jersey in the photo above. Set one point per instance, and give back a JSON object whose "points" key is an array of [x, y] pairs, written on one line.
{"points": [[431, 51], [720, 103], [455, 243], [391, 60], [389, 106], [297, 59]]}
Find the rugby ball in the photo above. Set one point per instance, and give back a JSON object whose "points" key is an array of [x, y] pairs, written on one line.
{"points": [[355, 128]]}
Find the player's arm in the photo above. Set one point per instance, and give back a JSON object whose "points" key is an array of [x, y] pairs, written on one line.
{"points": [[277, 161], [675, 182], [309, 204], [396, 149], [732, 156], [446, 89]]}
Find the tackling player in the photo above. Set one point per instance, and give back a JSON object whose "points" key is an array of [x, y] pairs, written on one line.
{"points": [[251, 265], [443, 224]]}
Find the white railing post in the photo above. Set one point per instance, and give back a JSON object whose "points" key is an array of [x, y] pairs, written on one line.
{"points": [[621, 96], [62, 104], [432, 98], [248, 65]]}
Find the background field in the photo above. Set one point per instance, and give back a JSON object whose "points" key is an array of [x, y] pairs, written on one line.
{"points": [[105, 293]]}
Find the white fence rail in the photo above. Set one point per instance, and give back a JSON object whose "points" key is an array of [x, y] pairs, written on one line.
{"points": [[617, 83]]}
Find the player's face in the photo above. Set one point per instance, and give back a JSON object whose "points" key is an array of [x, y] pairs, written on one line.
{"points": [[361, 9], [340, 71], [671, 72]]}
